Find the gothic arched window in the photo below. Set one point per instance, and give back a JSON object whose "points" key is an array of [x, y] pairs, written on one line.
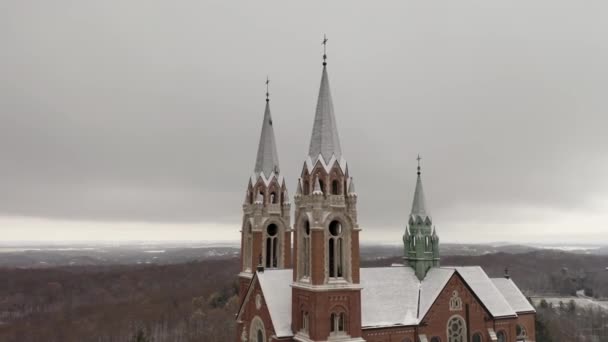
{"points": [[477, 337], [272, 246], [337, 322], [521, 332], [335, 187], [306, 187], [305, 321], [260, 336], [336, 250], [273, 198], [306, 249], [502, 336], [248, 246], [457, 330]]}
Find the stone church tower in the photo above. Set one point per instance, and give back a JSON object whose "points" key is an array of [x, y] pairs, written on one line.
{"points": [[326, 295], [265, 233], [420, 241]]}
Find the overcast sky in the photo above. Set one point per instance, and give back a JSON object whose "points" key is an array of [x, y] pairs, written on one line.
{"points": [[125, 119]]}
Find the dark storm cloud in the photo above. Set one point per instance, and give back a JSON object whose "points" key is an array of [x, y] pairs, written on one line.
{"points": [[117, 110]]}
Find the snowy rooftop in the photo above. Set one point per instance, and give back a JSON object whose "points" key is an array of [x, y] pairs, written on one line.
{"points": [[395, 296], [276, 287], [513, 295]]}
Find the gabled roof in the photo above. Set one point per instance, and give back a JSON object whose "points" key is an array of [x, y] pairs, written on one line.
{"points": [[324, 141], [513, 295], [276, 287], [486, 291], [389, 296], [393, 296], [267, 160], [431, 286]]}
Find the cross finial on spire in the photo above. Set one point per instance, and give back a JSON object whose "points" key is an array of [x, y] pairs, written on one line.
{"points": [[419, 159], [267, 93], [324, 49]]}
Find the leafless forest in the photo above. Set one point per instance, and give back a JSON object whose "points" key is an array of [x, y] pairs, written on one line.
{"points": [[196, 301]]}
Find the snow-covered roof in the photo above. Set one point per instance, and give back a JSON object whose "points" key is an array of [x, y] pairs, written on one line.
{"points": [[267, 160], [394, 295], [485, 290], [324, 141], [431, 286], [513, 295], [389, 296], [276, 287]]}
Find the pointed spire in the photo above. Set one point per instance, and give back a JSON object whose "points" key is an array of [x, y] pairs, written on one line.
{"points": [[324, 140], [285, 196], [419, 204], [351, 187], [267, 160]]}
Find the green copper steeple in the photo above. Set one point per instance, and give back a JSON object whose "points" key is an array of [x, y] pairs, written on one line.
{"points": [[420, 241]]}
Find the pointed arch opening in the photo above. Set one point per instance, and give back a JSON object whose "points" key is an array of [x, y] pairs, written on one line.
{"points": [[272, 252], [306, 249], [335, 251]]}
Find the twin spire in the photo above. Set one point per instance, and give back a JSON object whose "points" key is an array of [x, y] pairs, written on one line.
{"points": [[267, 160], [324, 141]]}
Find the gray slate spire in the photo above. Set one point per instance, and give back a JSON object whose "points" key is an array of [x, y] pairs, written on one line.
{"points": [[267, 160], [324, 140]]}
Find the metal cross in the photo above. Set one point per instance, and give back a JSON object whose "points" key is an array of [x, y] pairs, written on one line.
{"points": [[419, 159], [267, 81], [324, 47]]}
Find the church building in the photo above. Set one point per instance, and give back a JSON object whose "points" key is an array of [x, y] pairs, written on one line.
{"points": [[317, 291]]}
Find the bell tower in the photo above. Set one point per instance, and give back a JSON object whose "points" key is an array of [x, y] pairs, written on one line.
{"points": [[420, 241], [265, 233], [326, 295]]}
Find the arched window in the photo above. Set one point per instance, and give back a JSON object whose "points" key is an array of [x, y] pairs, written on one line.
{"points": [[256, 330], [250, 196], [262, 197], [306, 187], [336, 250], [306, 249], [273, 198], [337, 322], [322, 184], [305, 321], [272, 246], [457, 330], [502, 336], [248, 250], [335, 187], [477, 337], [521, 332]]}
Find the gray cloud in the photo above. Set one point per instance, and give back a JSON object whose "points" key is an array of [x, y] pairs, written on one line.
{"points": [[117, 111]]}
